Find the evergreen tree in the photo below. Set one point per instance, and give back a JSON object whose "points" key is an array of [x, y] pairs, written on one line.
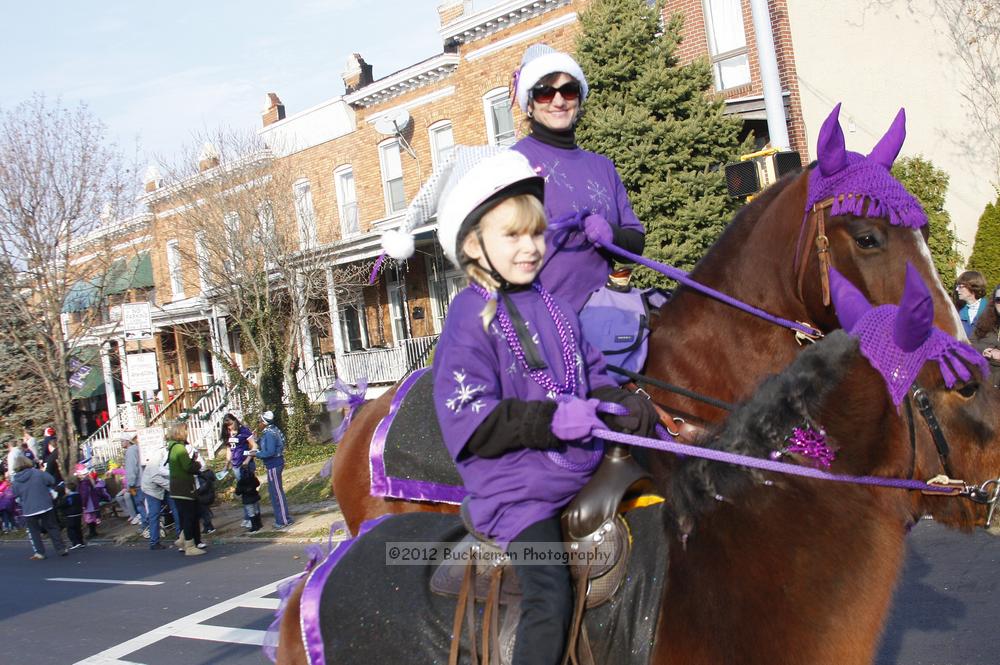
{"points": [[930, 185], [986, 250], [659, 122]]}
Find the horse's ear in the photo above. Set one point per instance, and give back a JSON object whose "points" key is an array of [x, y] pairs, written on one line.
{"points": [[916, 313], [888, 147], [830, 147], [849, 303]]}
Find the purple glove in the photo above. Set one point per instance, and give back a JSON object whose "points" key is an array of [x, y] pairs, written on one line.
{"points": [[598, 230], [575, 418]]}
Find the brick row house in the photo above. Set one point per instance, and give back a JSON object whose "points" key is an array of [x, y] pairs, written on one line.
{"points": [[351, 165]]}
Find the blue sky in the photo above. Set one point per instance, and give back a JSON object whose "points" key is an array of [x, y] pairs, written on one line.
{"points": [[161, 72]]}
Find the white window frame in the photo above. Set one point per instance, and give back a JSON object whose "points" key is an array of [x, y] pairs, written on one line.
{"points": [[721, 14], [347, 208], [357, 303], [305, 213], [441, 149], [443, 283], [174, 267], [385, 148], [396, 292], [201, 255], [498, 96]]}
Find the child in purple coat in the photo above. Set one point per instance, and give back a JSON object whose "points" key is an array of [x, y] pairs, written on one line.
{"points": [[6, 506], [93, 492], [515, 386]]}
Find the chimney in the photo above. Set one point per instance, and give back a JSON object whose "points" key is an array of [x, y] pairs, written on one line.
{"points": [[209, 157], [358, 73], [450, 11], [274, 110], [152, 180]]}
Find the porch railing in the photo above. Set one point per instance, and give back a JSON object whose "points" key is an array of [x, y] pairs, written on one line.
{"points": [[385, 365]]}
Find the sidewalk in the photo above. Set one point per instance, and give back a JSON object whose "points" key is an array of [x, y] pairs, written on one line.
{"points": [[312, 519]]}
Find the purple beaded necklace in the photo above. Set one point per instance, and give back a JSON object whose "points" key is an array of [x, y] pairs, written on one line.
{"points": [[567, 339]]}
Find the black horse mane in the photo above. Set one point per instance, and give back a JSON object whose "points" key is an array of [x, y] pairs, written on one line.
{"points": [[758, 427]]}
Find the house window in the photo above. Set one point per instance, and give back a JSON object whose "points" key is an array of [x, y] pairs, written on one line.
{"points": [[201, 255], [174, 266], [442, 142], [392, 176], [305, 214], [353, 326], [397, 309], [265, 223], [727, 42], [348, 201], [444, 282], [499, 119]]}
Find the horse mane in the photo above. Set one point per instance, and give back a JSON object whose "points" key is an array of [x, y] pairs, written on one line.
{"points": [[758, 427]]}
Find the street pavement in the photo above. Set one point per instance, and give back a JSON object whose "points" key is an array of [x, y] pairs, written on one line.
{"points": [[153, 607], [161, 608]]}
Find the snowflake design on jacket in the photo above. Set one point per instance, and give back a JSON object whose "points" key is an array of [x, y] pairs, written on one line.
{"points": [[465, 394], [599, 196], [554, 176]]}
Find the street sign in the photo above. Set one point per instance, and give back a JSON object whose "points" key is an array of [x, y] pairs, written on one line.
{"points": [[142, 372], [151, 441], [137, 322]]}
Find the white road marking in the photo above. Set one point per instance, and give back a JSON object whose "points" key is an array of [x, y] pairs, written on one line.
{"points": [[191, 627], [97, 581]]}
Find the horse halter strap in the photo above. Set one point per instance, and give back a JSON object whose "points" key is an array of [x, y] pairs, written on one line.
{"points": [[923, 403], [814, 226]]}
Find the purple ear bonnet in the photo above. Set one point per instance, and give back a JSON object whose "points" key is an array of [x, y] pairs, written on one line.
{"points": [[899, 340], [852, 180]]}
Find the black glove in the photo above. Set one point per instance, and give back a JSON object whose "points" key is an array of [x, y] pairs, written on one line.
{"points": [[512, 425], [642, 417]]}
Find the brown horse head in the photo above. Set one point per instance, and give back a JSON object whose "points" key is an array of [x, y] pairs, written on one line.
{"points": [[768, 257], [812, 563]]}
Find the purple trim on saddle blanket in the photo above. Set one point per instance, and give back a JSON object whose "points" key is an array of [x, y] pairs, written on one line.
{"points": [[404, 488], [312, 593]]}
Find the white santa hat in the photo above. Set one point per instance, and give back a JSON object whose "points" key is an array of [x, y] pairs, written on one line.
{"points": [[466, 186], [539, 61]]}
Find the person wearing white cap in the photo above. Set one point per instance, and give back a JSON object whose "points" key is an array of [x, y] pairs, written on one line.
{"points": [[515, 387], [551, 90], [272, 454]]}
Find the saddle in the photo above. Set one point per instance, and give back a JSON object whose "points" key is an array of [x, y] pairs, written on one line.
{"points": [[597, 542]]}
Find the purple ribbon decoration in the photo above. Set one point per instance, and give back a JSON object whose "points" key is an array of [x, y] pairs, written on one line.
{"points": [[375, 268], [314, 554], [353, 398]]}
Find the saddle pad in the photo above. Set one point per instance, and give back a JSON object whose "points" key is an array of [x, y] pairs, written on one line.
{"points": [[364, 605], [407, 456]]}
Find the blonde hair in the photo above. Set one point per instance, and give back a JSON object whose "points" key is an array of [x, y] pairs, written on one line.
{"points": [[177, 432], [528, 217]]}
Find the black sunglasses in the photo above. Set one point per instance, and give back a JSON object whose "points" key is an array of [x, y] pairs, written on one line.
{"points": [[543, 94]]}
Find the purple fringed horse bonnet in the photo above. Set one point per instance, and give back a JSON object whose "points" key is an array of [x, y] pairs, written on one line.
{"points": [[899, 340], [853, 180]]}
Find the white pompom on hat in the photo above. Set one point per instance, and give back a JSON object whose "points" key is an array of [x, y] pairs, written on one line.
{"points": [[461, 186], [539, 61]]}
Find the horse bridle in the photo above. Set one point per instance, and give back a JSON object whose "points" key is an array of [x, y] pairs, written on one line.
{"points": [[814, 226], [988, 493]]}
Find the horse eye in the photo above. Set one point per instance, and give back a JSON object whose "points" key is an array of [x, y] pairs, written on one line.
{"points": [[867, 241], [969, 390]]}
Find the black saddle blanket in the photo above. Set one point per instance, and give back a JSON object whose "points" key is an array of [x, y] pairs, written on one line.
{"points": [[372, 603], [408, 457]]}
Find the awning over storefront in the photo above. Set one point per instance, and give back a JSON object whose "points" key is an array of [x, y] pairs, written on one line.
{"points": [[134, 273], [124, 274], [81, 295]]}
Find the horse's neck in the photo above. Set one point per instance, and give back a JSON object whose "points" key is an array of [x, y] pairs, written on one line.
{"points": [[712, 348], [768, 580]]}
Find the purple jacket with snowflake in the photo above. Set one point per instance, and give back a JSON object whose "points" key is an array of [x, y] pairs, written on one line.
{"points": [[473, 371], [577, 180]]}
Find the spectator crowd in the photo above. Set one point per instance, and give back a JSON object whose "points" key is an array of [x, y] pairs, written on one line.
{"points": [[165, 489]]}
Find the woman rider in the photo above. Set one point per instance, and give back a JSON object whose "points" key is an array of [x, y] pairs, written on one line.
{"points": [[550, 88]]}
